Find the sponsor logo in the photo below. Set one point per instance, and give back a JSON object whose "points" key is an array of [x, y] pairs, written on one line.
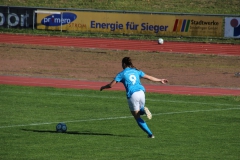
{"points": [[201, 22], [13, 19], [236, 27], [58, 19], [183, 25]]}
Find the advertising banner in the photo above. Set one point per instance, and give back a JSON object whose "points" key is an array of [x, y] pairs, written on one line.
{"points": [[16, 17], [127, 23], [232, 27]]}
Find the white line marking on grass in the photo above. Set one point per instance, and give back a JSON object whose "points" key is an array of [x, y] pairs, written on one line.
{"points": [[112, 118], [147, 99], [201, 103], [196, 111]]}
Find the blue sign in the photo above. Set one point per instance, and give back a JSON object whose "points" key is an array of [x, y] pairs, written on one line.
{"points": [[56, 20]]}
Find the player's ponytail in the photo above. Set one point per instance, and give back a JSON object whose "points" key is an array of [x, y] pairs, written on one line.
{"points": [[128, 62]]}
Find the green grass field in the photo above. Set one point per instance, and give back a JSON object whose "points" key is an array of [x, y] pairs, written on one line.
{"points": [[182, 6], [100, 126]]}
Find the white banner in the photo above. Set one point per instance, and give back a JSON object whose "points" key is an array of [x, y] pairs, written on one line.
{"points": [[232, 27]]}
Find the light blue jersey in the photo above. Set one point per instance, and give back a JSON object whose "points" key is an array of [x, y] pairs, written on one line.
{"points": [[130, 77]]}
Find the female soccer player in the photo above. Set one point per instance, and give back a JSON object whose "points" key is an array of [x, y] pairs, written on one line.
{"points": [[130, 77]]}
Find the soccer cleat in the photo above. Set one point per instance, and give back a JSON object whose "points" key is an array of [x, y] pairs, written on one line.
{"points": [[148, 113], [152, 136]]}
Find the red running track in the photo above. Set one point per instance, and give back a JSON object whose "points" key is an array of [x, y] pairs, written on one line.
{"points": [[60, 83], [115, 44]]}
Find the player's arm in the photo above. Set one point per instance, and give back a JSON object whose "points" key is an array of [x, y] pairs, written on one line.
{"points": [[110, 85], [151, 78]]}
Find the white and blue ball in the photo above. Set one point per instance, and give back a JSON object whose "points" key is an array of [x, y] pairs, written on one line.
{"points": [[160, 41], [61, 128]]}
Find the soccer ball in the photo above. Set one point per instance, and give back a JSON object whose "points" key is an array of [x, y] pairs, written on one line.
{"points": [[160, 41], [61, 127]]}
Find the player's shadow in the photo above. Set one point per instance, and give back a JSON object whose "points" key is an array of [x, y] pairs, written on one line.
{"points": [[74, 132]]}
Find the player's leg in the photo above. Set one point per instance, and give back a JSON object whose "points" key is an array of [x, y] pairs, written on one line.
{"points": [[135, 102], [144, 109], [142, 112], [148, 113], [141, 123]]}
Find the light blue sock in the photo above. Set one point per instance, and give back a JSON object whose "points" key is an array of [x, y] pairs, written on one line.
{"points": [[143, 126], [142, 112]]}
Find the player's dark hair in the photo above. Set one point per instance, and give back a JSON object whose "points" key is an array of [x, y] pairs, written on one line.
{"points": [[128, 62]]}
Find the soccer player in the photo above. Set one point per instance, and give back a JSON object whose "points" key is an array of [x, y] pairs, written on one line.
{"points": [[130, 77]]}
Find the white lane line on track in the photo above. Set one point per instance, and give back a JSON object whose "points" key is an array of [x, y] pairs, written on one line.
{"points": [[113, 118]]}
